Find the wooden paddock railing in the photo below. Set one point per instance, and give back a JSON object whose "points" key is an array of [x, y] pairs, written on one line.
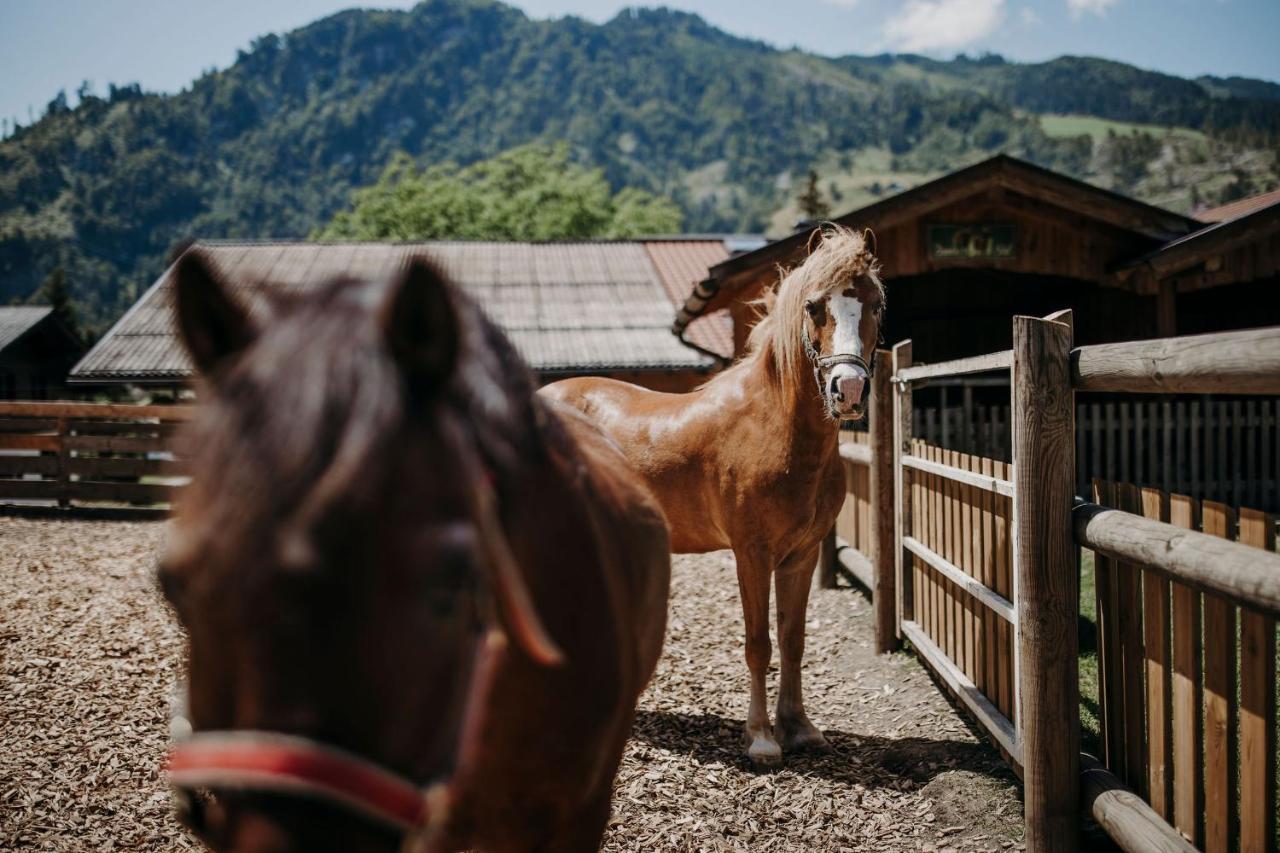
{"points": [[985, 587], [84, 455], [1172, 729]]}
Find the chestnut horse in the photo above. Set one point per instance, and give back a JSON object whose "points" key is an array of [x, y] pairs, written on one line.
{"points": [[378, 501], [749, 460]]}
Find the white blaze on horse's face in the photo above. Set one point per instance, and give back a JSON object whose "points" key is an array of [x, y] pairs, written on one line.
{"points": [[845, 382]]}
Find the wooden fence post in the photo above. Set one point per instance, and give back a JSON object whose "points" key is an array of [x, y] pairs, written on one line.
{"points": [[827, 551], [883, 507], [1047, 595], [902, 561]]}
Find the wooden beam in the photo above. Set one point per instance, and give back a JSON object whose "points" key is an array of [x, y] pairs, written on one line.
{"points": [[827, 560], [95, 411], [853, 561], [900, 361], [992, 600], [857, 454], [997, 724], [960, 366], [1246, 362], [882, 507], [1046, 591], [1122, 814], [969, 478], [1247, 576]]}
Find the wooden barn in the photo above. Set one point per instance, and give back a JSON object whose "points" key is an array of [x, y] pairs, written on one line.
{"points": [[965, 252], [599, 308], [36, 351]]}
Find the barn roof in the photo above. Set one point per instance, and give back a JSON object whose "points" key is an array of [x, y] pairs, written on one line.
{"points": [[569, 307], [1240, 207], [17, 320]]}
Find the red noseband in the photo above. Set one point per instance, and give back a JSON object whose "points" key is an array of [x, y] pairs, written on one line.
{"points": [[279, 763]]}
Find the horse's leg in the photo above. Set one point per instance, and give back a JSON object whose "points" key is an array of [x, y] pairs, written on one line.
{"points": [[793, 580], [753, 586]]}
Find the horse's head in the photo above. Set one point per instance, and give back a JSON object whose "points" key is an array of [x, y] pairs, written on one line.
{"points": [[337, 560], [829, 309]]}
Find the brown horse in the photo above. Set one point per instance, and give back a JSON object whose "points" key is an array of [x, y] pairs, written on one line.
{"points": [[378, 500], [749, 460]]}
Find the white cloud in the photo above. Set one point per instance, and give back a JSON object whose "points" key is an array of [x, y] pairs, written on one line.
{"points": [[933, 25], [1097, 7], [1029, 16]]}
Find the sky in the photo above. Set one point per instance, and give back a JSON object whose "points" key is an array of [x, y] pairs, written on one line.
{"points": [[47, 45]]}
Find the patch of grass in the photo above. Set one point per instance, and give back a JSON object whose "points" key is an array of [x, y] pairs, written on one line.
{"points": [[1090, 692], [1073, 125]]}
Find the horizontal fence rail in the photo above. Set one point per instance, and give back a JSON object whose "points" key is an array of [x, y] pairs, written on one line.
{"points": [[1245, 362], [85, 455]]}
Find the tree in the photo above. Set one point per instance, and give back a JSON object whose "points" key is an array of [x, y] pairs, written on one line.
{"points": [[54, 292], [812, 205], [534, 192]]}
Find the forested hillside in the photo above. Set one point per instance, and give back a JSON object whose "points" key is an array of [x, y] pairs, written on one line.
{"points": [[660, 100]]}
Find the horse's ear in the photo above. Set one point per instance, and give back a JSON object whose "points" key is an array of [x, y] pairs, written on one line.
{"points": [[213, 325], [420, 322]]}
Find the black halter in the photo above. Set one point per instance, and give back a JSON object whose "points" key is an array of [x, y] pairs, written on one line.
{"points": [[823, 364]]}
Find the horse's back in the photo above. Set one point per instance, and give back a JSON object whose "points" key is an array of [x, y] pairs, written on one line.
{"points": [[632, 535]]}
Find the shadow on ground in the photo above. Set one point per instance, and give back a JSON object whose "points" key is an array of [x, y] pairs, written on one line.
{"points": [[853, 759]]}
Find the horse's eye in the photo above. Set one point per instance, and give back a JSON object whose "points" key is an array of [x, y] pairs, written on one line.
{"points": [[812, 307]]}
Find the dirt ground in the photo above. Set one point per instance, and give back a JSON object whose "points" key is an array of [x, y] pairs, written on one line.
{"points": [[89, 656]]}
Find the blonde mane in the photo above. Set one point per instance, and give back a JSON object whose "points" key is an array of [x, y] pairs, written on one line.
{"points": [[840, 258]]}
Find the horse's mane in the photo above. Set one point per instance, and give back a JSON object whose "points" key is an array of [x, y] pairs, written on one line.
{"points": [[841, 257], [321, 418]]}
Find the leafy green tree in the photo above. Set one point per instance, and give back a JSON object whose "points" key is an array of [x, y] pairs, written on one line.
{"points": [[54, 292], [534, 192], [812, 205]]}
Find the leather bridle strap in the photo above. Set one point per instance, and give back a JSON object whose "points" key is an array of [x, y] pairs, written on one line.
{"points": [[824, 363], [279, 763]]}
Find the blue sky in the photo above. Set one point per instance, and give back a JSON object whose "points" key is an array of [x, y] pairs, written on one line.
{"points": [[47, 45]]}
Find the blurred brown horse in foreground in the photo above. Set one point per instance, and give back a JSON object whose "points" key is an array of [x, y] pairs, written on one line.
{"points": [[750, 461], [378, 502]]}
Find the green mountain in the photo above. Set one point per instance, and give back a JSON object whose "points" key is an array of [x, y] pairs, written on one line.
{"points": [[274, 144]]}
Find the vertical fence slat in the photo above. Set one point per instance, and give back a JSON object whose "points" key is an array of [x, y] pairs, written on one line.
{"points": [[1258, 803], [1188, 720], [1046, 590], [1129, 618], [902, 517], [1221, 798], [1155, 623], [987, 558], [1110, 679], [1004, 573]]}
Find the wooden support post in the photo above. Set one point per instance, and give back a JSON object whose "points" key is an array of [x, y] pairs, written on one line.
{"points": [[902, 560], [64, 464], [827, 560], [883, 506], [1047, 595]]}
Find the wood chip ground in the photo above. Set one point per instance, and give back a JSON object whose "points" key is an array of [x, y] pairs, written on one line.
{"points": [[89, 655]]}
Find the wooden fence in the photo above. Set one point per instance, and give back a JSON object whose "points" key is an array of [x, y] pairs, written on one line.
{"points": [[985, 588], [85, 455], [1208, 448], [1169, 659]]}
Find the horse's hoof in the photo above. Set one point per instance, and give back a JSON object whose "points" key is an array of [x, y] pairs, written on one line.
{"points": [[764, 751], [803, 738]]}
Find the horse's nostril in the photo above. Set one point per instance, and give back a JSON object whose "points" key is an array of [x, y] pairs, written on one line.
{"points": [[835, 390]]}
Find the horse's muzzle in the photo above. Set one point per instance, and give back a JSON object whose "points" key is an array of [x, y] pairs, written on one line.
{"points": [[846, 392]]}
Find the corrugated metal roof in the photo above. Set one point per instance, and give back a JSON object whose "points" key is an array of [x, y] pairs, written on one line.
{"points": [[586, 306], [17, 320], [1238, 208], [681, 265]]}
